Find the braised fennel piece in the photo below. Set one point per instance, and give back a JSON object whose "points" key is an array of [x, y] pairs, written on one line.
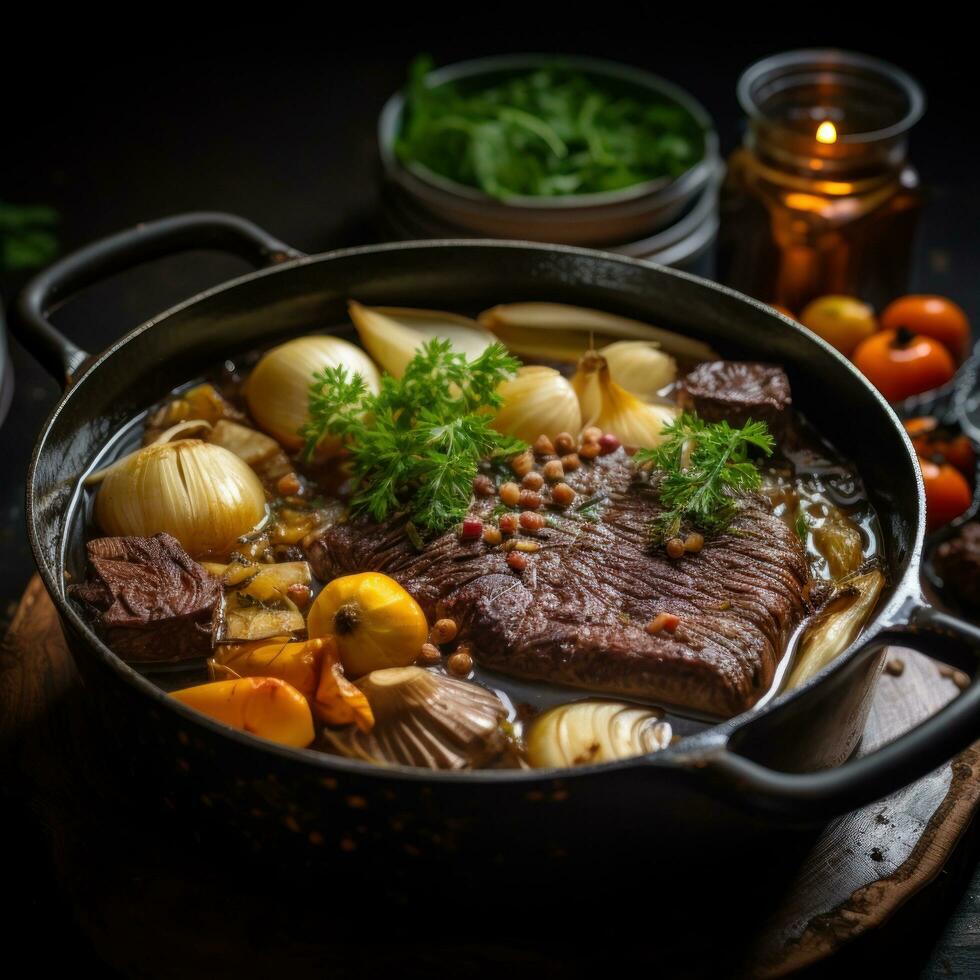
{"points": [[415, 445], [703, 467]]}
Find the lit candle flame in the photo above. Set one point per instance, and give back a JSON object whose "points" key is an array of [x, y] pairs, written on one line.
{"points": [[826, 132]]}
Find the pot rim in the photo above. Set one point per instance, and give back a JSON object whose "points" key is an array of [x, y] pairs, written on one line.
{"points": [[390, 118], [690, 752]]}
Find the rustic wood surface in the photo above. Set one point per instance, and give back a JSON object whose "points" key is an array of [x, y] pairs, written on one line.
{"points": [[126, 884]]}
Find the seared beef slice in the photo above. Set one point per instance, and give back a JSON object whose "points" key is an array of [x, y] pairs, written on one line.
{"points": [[151, 599], [736, 391], [576, 614]]}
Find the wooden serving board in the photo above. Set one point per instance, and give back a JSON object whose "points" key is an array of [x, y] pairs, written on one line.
{"points": [[150, 908]]}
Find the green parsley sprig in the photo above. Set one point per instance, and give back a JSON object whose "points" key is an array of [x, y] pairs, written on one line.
{"points": [[705, 466], [416, 445]]}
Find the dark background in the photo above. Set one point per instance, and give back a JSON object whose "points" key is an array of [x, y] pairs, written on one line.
{"points": [[153, 112]]}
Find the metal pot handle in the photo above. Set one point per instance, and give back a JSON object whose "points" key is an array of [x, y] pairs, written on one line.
{"points": [[124, 250], [911, 756]]}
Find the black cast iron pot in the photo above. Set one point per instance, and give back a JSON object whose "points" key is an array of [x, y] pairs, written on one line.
{"points": [[788, 762]]}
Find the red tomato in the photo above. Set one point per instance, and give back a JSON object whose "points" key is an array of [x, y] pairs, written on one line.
{"points": [[931, 316], [947, 493], [900, 364], [931, 439]]}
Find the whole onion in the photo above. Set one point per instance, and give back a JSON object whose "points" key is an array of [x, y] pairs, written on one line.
{"points": [[203, 495], [278, 389], [537, 401]]}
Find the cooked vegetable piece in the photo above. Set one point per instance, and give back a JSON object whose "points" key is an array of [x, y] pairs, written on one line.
{"points": [[203, 495], [153, 601], [586, 732], [248, 444], [836, 627], [202, 402], [556, 332], [425, 719], [245, 618], [264, 706], [298, 663], [338, 701], [373, 620], [394, 335], [839, 541]]}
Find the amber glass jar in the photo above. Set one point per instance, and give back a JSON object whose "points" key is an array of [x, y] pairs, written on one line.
{"points": [[820, 198]]}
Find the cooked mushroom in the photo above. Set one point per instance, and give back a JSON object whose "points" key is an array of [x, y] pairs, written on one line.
{"points": [[425, 719]]}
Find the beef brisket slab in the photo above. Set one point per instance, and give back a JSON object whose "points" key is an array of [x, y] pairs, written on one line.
{"points": [[577, 613], [150, 599], [736, 391]]}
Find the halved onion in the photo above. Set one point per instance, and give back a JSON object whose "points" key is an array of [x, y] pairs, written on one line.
{"points": [[394, 334], [584, 732], [278, 389], [640, 366], [202, 494]]}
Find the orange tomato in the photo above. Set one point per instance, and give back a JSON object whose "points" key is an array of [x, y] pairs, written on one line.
{"points": [[900, 364], [931, 440], [931, 316], [842, 321], [947, 493]]}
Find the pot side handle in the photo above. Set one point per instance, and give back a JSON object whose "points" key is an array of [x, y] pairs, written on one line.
{"points": [[909, 757], [124, 250]]}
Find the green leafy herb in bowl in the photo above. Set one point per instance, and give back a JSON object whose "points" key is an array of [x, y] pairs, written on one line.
{"points": [[550, 131]]}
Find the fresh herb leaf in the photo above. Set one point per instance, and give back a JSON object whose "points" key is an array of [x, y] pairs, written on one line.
{"points": [[416, 445], [802, 526], [548, 132], [705, 466]]}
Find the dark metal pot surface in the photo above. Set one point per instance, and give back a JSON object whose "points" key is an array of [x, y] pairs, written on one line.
{"points": [[786, 763]]}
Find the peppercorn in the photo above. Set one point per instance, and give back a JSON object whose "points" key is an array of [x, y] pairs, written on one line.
{"points": [[543, 446], [516, 561], [530, 521], [460, 663], [492, 535], [508, 523], [430, 654], [510, 493], [523, 463], [444, 631], [694, 542], [533, 481], [553, 470], [483, 485], [562, 494], [675, 547], [570, 463], [608, 443], [564, 443], [530, 499]]}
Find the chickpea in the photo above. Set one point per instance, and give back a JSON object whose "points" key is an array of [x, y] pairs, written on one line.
{"points": [[675, 548], [533, 481], [564, 443], [523, 463], [444, 631], [460, 663], [592, 434], [492, 535], [570, 463], [694, 542], [530, 499], [483, 485], [517, 561], [589, 450], [530, 521], [509, 523], [430, 654], [562, 494], [510, 493], [543, 446], [553, 470]]}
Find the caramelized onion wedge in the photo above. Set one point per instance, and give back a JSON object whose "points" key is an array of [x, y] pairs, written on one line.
{"points": [[837, 626], [556, 332], [392, 335], [425, 719], [594, 731]]}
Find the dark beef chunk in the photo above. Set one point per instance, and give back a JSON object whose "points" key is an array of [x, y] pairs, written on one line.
{"points": [[958, 563], [736, 391], [151, 600], [576, 614]]}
